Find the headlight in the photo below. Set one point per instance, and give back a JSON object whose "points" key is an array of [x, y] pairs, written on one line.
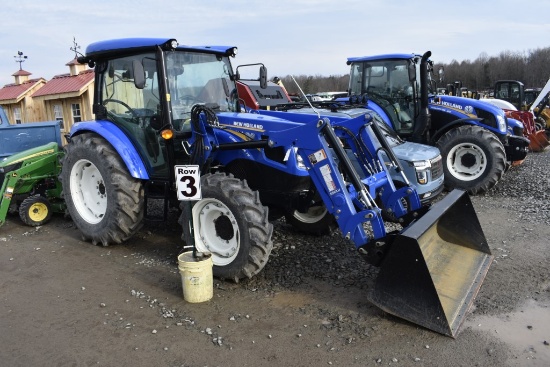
{"points": [[422, 168], [300, 162], [422, 165], [501, 123]]}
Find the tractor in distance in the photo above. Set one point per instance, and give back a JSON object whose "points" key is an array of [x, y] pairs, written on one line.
{"points": [[533, 100]]}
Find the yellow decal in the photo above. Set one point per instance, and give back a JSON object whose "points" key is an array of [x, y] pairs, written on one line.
{"points": [[45, 152]]}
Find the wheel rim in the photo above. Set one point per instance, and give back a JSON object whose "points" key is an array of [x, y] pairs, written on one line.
{"points": [[313, 215], [218, 231], [466, 162], [38, 212], [88, 191]]}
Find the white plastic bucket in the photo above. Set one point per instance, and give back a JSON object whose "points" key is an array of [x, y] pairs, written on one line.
{"points": [[196, 277]]}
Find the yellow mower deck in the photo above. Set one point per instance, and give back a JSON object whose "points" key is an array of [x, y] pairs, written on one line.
{"points": [[435, 267]]}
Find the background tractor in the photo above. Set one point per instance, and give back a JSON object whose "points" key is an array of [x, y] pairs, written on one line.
{"points": [[30, 184], [475, 138], [532, 100]]}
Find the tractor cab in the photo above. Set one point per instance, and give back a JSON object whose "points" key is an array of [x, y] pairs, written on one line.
{"points": [[393, 83], [148, 93], [512, 91]]}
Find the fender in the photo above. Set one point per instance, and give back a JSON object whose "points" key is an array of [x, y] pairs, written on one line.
{"points": [[116, 137]]}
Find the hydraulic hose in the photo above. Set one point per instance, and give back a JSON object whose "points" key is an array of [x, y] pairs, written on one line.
{"points": [[331, 137]]}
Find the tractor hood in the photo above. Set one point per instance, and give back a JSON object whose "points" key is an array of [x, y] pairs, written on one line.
{"points": [[414, 152], [468, 108]]}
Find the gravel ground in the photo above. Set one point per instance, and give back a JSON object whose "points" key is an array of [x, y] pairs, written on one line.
{"points": [[65, 302]]}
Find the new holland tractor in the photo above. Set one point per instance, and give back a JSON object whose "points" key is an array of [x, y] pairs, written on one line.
{"points": [[160, 106], [477, 141]]}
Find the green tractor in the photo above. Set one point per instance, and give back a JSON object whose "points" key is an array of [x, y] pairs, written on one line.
{"points": [[30, 184]]}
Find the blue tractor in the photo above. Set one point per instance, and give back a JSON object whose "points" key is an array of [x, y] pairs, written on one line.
{"points": [[160, 106], [477, 141]]}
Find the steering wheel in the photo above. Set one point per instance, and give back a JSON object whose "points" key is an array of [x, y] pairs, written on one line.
{"points": [[189, 99], [130, 109]]}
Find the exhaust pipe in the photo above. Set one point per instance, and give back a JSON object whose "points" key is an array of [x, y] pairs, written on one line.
{"points": [[423, 123]]}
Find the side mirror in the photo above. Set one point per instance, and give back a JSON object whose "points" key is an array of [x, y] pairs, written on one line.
{"points": [[156, 122], [139, 74], [263, 77]]}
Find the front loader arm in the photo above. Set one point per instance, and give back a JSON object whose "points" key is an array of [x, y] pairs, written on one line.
{"points": [[352, 203], [355, 201]]}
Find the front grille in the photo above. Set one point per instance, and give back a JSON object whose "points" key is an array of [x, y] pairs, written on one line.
{"points": [[488, 118], [437, 167], [518, 131]]}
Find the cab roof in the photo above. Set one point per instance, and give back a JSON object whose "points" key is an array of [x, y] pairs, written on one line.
{"points": [[133, 45], [382, 57]]}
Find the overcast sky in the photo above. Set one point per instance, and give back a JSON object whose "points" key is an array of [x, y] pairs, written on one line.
{"points": [[312, 37]]}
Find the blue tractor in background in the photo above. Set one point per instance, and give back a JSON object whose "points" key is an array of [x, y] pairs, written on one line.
{"points": [[477, 141]]}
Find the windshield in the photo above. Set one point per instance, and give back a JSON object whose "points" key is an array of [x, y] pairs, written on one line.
{"points": [[386, 82], [199, 78], [384, 77]]}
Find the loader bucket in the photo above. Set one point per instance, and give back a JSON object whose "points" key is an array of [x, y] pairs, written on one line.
{"points": [[538, 141], [435, 267]]}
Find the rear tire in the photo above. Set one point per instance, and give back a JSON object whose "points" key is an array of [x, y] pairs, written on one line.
{"points": [[35, 210], [317, 221], [233, 226], [473, 159], [103, 200]]}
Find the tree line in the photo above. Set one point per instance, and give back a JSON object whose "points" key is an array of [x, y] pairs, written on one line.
{"points": [[530, 67]]}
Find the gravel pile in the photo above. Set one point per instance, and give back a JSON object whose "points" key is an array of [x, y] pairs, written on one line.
{"points": [[297, 257], [525, 189]]}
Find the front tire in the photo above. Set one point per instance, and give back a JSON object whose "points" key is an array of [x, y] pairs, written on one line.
{"points": [[473, 159], [232, 225], [103, 200], [35, 210]]}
